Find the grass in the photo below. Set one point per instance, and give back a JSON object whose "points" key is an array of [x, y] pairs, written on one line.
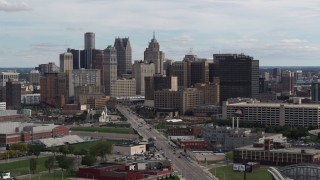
{"points": [[104, 130], [226, 173], [18, 168], [229, 155], [50, 176]]}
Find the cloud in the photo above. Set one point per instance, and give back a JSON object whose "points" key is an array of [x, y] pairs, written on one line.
{"points": [[14, 6]]}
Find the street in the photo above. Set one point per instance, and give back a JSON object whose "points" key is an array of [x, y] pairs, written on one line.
{"points": [[190, 170]]}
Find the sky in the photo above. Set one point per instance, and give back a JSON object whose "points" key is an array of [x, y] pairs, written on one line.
{"points": [[276, 32]]}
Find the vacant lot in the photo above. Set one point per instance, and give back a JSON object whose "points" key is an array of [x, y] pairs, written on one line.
{"points": [[104, 130]]}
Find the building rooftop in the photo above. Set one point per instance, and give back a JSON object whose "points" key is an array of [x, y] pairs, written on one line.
{"points": [[284, 150], [260, 104]]}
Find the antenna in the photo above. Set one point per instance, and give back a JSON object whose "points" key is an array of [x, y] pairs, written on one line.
{"points": [[154, 35]]}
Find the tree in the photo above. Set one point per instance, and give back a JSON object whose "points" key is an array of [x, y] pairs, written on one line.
{"points": [[35, 149], [64, 149], [88, 160], [49, 163], [33, 165], [66, 163], [101, 149]]}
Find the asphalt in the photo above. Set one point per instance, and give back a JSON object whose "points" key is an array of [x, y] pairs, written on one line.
{"points": [[189, 169]]}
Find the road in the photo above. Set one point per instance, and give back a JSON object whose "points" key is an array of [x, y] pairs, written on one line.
{"points": [[187, 168]]}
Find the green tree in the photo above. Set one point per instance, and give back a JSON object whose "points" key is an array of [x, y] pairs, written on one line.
{"points": [[101, 149], [33, 165], [96, 116], [66, 163], [88, 160], [35, 149], [49, 163], [64, 149]]}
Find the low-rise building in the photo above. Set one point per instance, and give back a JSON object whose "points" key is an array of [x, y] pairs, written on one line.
{"points": [[129, 149]]}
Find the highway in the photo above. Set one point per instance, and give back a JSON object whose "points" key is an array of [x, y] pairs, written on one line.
{"points": [[187, 168]]}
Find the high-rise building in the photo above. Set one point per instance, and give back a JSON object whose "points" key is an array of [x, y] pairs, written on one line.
{"points": [[276, 74], [180, 70], [124, 56], [140, 70], [98, 64], [34, 77], [287, 82], [13, 94], [6, 75], [210, 91], [66, 62], [76, 57], [51, 67], [89, 40], [239, 75], [315, 91], [109, 68], [53, 89], [123, 88], [154, 55]]}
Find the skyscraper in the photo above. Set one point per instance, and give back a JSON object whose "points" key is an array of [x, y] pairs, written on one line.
{"points": [[239, 75], [76, 57], [140, 70], [53, 89], [315, 91], [154, 55], [89, 49], [66, 62], [13, 94], [124, 56], [109, 68]]}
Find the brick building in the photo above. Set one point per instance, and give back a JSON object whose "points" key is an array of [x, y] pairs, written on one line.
{"points": [[190, 131]]}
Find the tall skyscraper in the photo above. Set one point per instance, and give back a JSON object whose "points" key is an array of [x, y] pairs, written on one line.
{"points": [[13, 94], [124, 56], [315, 91], [154, 55], [66, 62], [109, 68], [53, 89], [89, 40], [89, 49], [140, 70], [287, 82], [239, 75], [76, 57]]}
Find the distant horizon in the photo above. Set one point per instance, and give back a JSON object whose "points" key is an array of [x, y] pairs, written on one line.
{"points": [[274, 32]]}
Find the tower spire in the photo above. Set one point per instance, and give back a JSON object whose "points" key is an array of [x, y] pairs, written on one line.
{"points": [[154, 35]]}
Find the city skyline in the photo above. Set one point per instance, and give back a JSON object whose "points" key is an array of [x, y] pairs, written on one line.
{"points": [[277, 33]]}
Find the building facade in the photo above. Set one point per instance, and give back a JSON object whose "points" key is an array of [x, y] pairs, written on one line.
{"points": [[152, 54], [124, 56], [66, 62], [53, 89], [13, 94], [140, 70], [315, 91], [6, 75], [34, 77], [239, 75], [123, 87], [109, 68]]}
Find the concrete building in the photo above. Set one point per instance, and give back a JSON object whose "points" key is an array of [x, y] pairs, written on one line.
{"points": [[6, 75], [183, 100], [273, 114], [275, 154], [180, 69], [34, 77], [140, 70], [82, 77], [109, 68], [13, 94], [76, 55], [210, 91], [229, 138], [66, 62], [287, 82], [51, 67], [88, 95], [98, 64], [30, 99], [152, 54], [3, 106], [89, 50], [53, 89], [123, 87], [129, 149], [239, 75], [11, 116], [124, 56]]}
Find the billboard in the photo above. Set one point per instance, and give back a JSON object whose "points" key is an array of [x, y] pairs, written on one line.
{"points": [[242, 167], [238, 112]]}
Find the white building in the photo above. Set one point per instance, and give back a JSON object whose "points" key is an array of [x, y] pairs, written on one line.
{"points": [[5, 76], [3, 105], [30, 99], [129, 149], [274, 114]]}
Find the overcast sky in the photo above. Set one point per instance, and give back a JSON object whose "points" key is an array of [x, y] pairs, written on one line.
{"points": [[277, 32]]}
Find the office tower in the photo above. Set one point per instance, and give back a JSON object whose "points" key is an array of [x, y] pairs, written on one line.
{"points": [[109, 68], [276, 74], [6, 75], [89, 40], [2, 93], [82, 77], [53, 89], [239, 75], [98, 64], [123, 88], [76, 57], [287, 82], [180, 69], [261, 85], [34, 77], [210, 91], [199, 72], [167, 64], [124, 56], [158, 83], [13, 94], [66, 62], [89, 49], [298, 76], [140, 70], [154, 55], [51, 67], [315, 91]]}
